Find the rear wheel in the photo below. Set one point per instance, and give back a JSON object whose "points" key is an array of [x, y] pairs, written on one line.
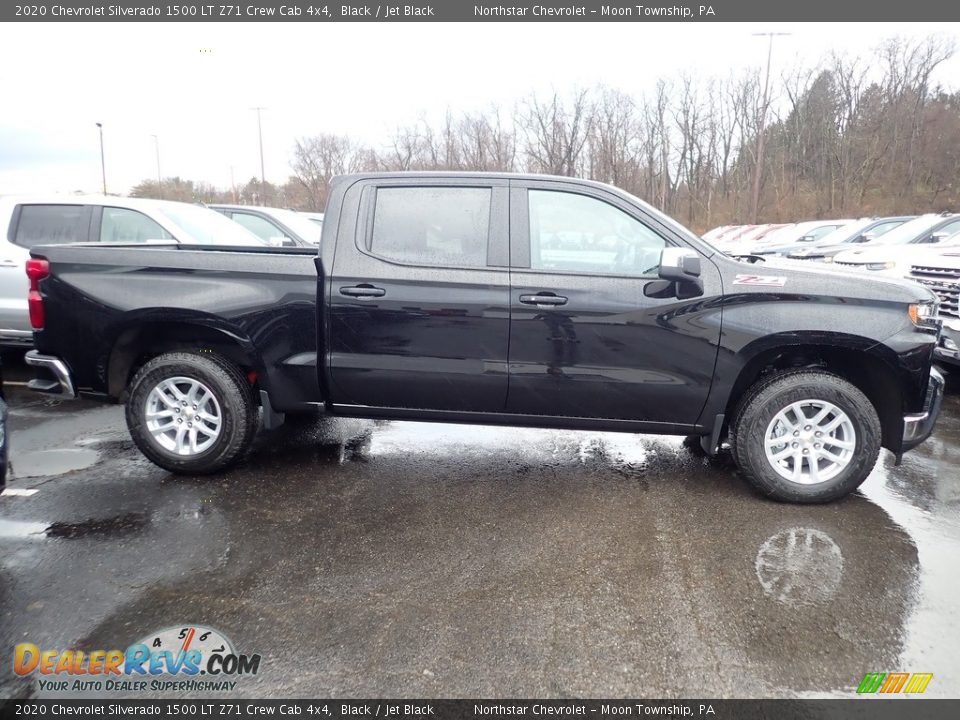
{"points": [[805, 436], [190, 413]]}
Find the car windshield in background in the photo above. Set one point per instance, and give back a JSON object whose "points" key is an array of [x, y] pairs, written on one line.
{"points": [[300, 224], [845, 233], [206, 227], [908, 231]]}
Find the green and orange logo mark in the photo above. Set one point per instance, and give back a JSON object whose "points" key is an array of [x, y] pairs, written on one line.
{"points": [[889, 683]]}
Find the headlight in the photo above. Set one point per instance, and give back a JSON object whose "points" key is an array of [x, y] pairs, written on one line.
{"points": [[828, 258], [889, 265], [924, 314]]}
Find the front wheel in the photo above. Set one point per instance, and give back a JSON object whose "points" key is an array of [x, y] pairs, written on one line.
{"points": [[191, 414], [805, 436]]}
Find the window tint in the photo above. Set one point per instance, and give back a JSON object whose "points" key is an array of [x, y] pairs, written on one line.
{"points": [[263, 229], [51, 225], [432, 226], [123, 225], [576, 233]]}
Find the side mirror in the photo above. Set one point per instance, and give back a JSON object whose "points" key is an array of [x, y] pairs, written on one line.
{"points": [[938, 236], [681, 266]]}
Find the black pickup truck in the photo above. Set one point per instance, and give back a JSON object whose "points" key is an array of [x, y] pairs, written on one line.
{"points": [[494, 298]]}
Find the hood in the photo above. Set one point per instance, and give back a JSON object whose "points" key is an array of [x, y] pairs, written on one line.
{"points": [[813, 250], [805, 278], [895, 253]]}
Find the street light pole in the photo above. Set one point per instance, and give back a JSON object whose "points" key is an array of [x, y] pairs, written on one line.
{"points": [[156, 146], [758, 169], [263, 177], [103, 164]]}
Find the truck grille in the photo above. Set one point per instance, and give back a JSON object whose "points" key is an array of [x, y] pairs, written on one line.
{"points": [[944, 282]]}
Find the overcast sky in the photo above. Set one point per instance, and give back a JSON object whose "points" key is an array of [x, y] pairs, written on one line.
{"points": [[193, 85]]}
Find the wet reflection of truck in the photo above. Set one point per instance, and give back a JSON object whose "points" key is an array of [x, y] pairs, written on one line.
{"points": [[447, 298]]}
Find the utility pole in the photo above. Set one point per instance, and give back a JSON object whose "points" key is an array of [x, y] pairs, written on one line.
{"points": [[103, 164], [758, 169], [156, 146], [263, 177]]}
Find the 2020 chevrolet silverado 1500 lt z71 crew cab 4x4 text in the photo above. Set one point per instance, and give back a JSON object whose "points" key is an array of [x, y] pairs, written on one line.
{"points": [[486, 298]]}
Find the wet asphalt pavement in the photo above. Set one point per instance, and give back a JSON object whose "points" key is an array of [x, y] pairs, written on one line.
{"points": [[391, 559]]}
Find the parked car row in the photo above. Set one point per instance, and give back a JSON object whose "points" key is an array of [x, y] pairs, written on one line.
{"points": [[879, 245]]}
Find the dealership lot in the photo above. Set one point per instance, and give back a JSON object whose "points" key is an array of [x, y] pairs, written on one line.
{"points": [[367, 559]]}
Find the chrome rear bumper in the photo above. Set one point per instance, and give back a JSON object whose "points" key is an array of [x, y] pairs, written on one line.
{"points": [[61, 382]]}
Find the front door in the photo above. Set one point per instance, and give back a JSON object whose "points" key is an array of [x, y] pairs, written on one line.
{"points": [[587, 340]]}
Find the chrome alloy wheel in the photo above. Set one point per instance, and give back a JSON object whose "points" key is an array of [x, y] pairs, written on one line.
{"points": [[183, 416], [810, 441]]}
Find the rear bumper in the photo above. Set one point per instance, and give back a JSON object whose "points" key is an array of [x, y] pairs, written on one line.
{"points": [[53, 375], [917, 427]]}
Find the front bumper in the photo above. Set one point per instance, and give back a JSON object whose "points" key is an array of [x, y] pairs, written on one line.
{"points": [[917, 427], [54, 375]]}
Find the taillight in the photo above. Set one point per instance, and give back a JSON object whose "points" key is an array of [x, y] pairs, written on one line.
{"points": [[37, 270]]}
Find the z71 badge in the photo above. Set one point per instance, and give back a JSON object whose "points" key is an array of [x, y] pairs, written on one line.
{"points": [[763, 280]]}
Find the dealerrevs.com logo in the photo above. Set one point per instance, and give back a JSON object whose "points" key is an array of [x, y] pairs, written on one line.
{"points": [[184, 658], [892, 683]]}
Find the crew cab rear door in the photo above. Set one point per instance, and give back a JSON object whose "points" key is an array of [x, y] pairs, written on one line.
{"points": [[593, 335], [419, 295]]}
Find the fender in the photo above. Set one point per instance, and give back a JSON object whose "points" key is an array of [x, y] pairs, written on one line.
{"points": [[130, 334]]}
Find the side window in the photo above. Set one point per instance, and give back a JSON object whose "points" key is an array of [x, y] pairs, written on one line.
{"points": [[51, 225], [441, 226], [820, 232], [263, 229], [123, 225], [577, 233], [946, 231], [880, 229]]}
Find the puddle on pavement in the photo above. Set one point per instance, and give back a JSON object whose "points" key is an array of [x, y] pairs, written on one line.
{"points": [[131, 522], [44, 463]]}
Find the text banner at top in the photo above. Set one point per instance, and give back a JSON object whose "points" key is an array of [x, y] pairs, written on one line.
{"points": [[485, 11]]}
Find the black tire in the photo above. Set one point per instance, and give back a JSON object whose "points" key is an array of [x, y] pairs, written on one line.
{"points": [[240, 416], [769, 396]]}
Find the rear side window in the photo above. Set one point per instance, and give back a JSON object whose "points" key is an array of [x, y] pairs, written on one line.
{"points": [[123, 225], [437, 226], [52, 225]]}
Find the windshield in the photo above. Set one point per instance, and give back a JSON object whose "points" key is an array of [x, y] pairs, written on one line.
{"points": [[845, 233], [907, 232], [206, 227], [300, 224]]}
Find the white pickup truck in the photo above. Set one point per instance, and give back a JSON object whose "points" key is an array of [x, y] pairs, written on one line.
{"points": [[940, 272]]}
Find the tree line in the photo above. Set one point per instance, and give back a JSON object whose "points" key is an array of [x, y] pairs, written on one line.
{"points": [[853, 136]]}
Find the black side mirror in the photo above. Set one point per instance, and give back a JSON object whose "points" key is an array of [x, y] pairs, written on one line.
{"points": [[681, 266]]}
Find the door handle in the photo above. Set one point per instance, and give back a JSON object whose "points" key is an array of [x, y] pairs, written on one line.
{"points": [[363, 291], [543, 300]]}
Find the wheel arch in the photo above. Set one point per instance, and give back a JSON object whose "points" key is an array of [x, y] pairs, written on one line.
{"points": [[141, 339], [858, 360]]}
